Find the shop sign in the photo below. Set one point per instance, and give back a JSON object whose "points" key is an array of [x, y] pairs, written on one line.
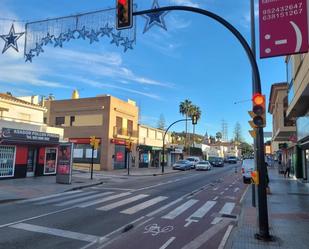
{"points": [[26, 135], [119, 156], [117, 141], [283, 27], [50, 161], [64, 163]]}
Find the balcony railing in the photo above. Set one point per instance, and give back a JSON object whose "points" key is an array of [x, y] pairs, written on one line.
{"points": [[124, 132]]}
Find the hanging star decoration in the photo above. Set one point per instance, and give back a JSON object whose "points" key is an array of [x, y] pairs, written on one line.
{"points": [[82, 33], [93, 36], [156, 18], [127, 44], [117, 38], [106, 30], [11, 39], [29, 57]]}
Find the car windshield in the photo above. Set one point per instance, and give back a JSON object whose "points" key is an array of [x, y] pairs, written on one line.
{"points": [[190, 159], [182, 162]]}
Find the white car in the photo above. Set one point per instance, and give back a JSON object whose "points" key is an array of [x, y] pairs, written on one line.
{"points": [[246, 169], [194, 161], [203, 165]]}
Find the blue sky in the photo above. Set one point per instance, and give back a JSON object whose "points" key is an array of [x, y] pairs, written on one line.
{"points": [[195, 59]]}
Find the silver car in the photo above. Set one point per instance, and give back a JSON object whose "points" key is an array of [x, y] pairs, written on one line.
{"points": [[203, 165]]}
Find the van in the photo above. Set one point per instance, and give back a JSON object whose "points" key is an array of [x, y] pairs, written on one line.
{"points": [[194, 160], [246, 169]]}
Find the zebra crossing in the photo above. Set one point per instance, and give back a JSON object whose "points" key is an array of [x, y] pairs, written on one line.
{"points": [[129, 203]]}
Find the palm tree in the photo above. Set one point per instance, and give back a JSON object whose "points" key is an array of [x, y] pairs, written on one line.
{"points": [[195, 111], [218, 136], [184, 108]]}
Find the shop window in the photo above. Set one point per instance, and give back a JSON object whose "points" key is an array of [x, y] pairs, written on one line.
{"points": [[83, 154], [59, 121], [7, 157]]}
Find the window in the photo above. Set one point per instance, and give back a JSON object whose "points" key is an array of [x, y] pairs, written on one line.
{"points": [[83, 154], [7, 161], [72, 119], [130, 127], [45, 120], [289, 73], [59, 121], [119, 124]]}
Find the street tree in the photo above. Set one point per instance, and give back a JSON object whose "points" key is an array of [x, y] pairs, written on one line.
{"points": [[161, 122], [184, 108], [195, 111], [218, 136], [238, 133]]}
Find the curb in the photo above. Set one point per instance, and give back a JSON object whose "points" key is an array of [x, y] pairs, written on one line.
{"points": [[84, 186], [157, 174]]}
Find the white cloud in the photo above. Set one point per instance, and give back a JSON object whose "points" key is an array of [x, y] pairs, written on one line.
{"points": [[186, 3]]}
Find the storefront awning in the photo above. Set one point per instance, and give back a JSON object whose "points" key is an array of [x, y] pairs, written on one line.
{"points": [[149, 148]]}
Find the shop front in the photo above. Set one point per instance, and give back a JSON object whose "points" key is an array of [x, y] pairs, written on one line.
{"points": [[121, 154], [26, 153], [149, 156], [302, 125]]}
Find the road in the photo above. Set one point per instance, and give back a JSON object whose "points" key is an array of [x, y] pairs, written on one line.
{"points": [[185, 210]]}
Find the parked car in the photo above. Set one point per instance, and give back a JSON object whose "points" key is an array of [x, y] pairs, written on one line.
{"points": [[232, 159], [182, 165], [246, 169], [203, 165], [194, 161], [217, 162]]}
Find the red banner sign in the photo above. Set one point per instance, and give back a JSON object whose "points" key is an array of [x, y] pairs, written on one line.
{"points": [[283, 27]]}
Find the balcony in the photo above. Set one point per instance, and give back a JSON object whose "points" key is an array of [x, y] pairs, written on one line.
{"points": [[123, 133]]}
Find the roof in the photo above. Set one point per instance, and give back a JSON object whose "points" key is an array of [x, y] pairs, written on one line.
{"points": [[275, 86], [9, 97]]}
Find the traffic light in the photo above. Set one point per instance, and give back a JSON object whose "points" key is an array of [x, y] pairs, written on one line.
{"points": [[258, 111], [194, 119], [94, 142], [129, 145], [255, 177], [124, 18]]}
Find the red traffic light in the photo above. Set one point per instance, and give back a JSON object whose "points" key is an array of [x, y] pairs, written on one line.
{"points": [[258, 99], [124, 14]]}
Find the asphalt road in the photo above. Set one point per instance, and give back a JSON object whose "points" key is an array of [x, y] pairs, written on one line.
{"points": [[190, 209]]}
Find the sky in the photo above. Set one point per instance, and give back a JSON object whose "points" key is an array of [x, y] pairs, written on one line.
{"points": [[195, 59]]}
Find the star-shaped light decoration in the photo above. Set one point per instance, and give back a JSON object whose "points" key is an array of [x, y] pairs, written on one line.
{"points": [[29, 57], [93, 36], [58, 41], [82, 33], [69, 35], [106, 30], [127, 44], [155, 18], [11, 39], [38, 49], [117, 38], [48, 39]]}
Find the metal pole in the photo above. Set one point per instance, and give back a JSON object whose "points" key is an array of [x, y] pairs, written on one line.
{"points": [[254, 54], [91, 174], [256, 86], [129, 157]]}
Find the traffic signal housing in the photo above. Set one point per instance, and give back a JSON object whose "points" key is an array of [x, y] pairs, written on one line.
{"points": [[124, 17], [258, 113], [194, 119]]}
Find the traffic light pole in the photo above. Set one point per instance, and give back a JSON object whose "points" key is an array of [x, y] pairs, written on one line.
{"points": [[256, 87], [91, 173], [163, 146]]}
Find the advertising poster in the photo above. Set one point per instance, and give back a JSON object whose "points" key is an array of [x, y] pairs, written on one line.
{"points": [[50, 161], [64, 165]]}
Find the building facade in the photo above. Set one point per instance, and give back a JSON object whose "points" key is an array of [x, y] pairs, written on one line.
{"points": [[111, 120], [28, 147], [298, 107]]}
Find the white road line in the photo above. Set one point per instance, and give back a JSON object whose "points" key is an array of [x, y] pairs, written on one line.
{"points": [[146, 204], [243, 195], [167, 243], [236, 189], [230, 185], [226, 209], [78, 200], [164, 207], [200, 213], [221, 193], [216, 198], [56, 232], [122, 202], [122, 189], [58, 199], [109, 198], [215, 188], [226, 189], [225, 237], [179, 210], [49, 196]]}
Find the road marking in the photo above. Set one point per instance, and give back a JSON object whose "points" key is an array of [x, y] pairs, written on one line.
{"points": [[221, 193], [167, 243], [49, 196], [243, 195], [230, 185], [236, 189], [109, 198], [215, 188], [146, 204], [122, 202], [205, 236], [225, 237], [74, 201], [179, 210], [226, 189], [64, 198], [56, 232], [216, 198], [226, 209], [164, 207], [200, 213], [121, 189]]}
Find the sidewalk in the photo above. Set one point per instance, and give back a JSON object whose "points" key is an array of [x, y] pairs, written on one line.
{"points": [[288, 206]]}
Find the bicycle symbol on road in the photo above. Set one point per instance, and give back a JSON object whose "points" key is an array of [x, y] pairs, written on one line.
{"points": [[154, 229]]}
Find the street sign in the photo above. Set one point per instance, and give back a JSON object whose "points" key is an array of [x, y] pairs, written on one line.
{"points": [[283, 27]]}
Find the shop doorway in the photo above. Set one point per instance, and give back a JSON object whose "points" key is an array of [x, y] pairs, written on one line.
{"points": [[32, 161]]}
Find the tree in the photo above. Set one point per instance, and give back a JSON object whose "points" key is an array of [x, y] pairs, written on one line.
{"points": [[218, 136], [184, 108], [237, 133], [212, 139], [161, 122], [246, 149], [195, 111]]}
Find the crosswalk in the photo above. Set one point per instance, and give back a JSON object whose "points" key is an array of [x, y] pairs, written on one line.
{"points": [[129, 203]]}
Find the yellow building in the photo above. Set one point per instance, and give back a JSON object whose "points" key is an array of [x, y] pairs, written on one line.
{"points": [[111, 120]]}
